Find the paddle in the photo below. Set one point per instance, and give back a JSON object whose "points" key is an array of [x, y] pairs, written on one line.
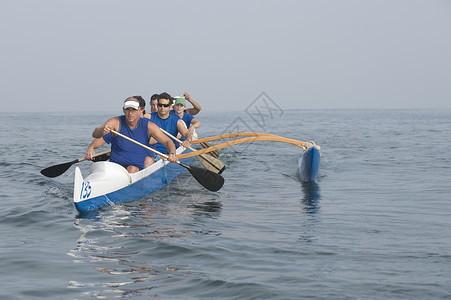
{"points": [[57, 170], [209, 162], [209, 180], [214, 153]]}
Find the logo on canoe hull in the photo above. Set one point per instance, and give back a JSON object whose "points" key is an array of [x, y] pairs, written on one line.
{"points": [[85, 190]]}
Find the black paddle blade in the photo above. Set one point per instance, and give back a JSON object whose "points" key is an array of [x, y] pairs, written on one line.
{"points": [[102, 157], [222, 170], [57, 170], [208, 179]]}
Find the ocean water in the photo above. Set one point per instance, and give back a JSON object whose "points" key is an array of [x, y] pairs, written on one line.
{"points": [[376, 224]]}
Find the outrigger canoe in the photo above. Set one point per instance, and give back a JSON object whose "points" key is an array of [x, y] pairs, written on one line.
{"points": [[109, 183]]}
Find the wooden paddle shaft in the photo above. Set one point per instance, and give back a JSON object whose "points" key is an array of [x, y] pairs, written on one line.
{"points": [[177, 140], [209, 162], [98, 154], [174, 138], [138, 143]]}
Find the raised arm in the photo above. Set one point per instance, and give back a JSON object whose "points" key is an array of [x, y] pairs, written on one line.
{"points": [[194, 110]]}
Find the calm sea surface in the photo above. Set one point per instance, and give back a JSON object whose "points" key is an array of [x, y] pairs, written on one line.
{"points": [[376, 225]]}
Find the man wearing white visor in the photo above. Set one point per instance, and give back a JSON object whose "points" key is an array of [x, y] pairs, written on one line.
{"points": [[124, 152]]}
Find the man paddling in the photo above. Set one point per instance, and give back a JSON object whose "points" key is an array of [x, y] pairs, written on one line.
{"points": [[180, 110], [133, 157], [153, 105], [187, 115], [169, 122]]}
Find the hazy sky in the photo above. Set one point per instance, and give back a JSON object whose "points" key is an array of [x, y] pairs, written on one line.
{"points": [[90, 55]]}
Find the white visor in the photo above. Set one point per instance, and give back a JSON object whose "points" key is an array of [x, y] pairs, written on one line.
{"points": [[132, 104]]}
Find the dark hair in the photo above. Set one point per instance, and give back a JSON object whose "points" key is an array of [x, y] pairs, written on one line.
{"points": [[165, 95], [142, 102], [154, 97]]}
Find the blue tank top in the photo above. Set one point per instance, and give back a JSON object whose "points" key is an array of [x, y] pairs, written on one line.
{"points": [[169, 124], [127, 153], [187, 118]]}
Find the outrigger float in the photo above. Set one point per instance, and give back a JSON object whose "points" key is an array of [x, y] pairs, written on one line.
{"points": [[109, 183], [308, 163]]}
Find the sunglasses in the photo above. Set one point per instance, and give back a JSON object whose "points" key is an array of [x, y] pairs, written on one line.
{"points": [[165, 105]]}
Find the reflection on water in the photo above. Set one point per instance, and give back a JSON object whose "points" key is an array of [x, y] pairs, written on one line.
{"points": [[134, 244], [209, 209], [311, 197], [310, 205]]}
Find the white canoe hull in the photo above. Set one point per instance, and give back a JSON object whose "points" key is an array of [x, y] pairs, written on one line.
{"points": [[109, 183]]}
